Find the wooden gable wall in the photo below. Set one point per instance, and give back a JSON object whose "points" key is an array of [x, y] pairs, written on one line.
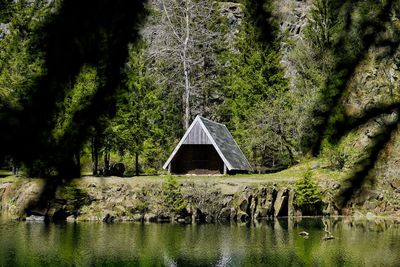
{"points": [[197, 136]]}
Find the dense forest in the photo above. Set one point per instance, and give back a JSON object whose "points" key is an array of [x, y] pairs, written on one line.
{"points": [[87, 84]]}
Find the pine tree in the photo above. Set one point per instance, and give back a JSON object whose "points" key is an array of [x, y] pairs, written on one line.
{"points": [[253, 85]]}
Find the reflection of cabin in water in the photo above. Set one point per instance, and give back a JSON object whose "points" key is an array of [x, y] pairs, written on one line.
{"points": [[207, 148]]}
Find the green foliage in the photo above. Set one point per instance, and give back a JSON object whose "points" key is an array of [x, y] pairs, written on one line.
{"points": [[314, 61], [21, 63], [252, 74], [235, 74], [345, 154], [141, 204], [130, 126], [139, 126], [271, 135], [337, 157], [75, 196], [323, 29], [6, 10], [307, 191], [76, 100], [255, 101], [336, 41], [173, 199]]}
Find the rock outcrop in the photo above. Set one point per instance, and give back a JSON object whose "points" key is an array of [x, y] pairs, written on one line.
{"points": [[118, 199], [4, 30]]}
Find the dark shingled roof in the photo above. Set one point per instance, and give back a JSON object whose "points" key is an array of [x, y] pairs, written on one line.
{"points": [[227, 145], [223, 142]]}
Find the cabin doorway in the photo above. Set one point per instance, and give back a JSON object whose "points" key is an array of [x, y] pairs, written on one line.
{"points": [[197, 159]]}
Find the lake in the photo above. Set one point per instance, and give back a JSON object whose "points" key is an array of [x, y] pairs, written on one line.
{"points": [[267, 243]]}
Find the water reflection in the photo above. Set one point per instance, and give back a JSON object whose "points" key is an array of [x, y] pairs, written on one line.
{"points": [[272, 243]]}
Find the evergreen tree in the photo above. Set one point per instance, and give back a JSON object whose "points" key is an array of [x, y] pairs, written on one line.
{"points": [[252, 83], [138, 109], [46, 47], [6, 12], [21, 65]]}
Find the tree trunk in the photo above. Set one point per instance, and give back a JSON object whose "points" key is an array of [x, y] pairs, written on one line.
{"points": [[107, 157], [186, 97], [187, 27], [186, 70], [95, 155], [137, 164], [78, 162]]}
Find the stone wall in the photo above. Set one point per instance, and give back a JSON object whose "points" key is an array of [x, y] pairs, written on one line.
{"points": [[116, 200]]}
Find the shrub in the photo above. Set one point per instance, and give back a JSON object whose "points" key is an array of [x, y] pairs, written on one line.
{"points": [[346, 153], [74, 196], [337, 158], [173, 199], [307, 191]]}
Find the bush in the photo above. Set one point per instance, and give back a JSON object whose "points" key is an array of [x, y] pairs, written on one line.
{"points": [[307, 192], [150, 171], [74, 196], [346, 153], [117, 169], [173, 199], [337, 158]]}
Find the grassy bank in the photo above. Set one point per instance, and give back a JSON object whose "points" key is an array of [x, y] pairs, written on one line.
{"points": [[288, 175]]}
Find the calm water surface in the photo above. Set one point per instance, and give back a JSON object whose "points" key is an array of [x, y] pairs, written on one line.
{"points": [[268, 243]]}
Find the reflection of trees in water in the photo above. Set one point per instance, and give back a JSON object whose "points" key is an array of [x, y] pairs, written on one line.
{"points": [[210, 245], [327, 229]]}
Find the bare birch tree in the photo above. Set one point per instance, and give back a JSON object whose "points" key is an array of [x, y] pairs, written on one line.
{"points": [[181, 50]]}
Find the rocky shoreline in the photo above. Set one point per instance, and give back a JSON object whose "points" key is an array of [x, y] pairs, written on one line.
{"points": [[125, 199]]}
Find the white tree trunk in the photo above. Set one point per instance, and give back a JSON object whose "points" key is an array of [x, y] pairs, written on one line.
{"points": [[186, 117], [186, 69], [179, 44]]}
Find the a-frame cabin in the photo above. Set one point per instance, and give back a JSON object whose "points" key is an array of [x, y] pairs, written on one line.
{"points": [[207, 148]]}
